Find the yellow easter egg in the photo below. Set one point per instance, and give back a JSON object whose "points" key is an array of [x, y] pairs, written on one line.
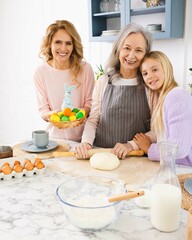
{"points": [[73, 114], [60, 113], [55, 118], [54, 114], [72, 118]]}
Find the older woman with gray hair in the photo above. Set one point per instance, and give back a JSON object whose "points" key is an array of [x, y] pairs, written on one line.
{"points": [[120, 105]]}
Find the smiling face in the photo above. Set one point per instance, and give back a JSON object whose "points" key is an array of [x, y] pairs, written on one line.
{"points": [[131, 53], [153, 74], [61, 48]]}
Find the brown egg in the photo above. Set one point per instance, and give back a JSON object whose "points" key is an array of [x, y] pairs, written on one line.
{"points": [[6, 164], [39, 164], [16, 163], [28, 165], [18, 168], [6, 169], [37, 159]]}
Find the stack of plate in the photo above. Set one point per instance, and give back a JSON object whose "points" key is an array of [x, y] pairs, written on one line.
{"points": [[110, 32], [154, 27]]}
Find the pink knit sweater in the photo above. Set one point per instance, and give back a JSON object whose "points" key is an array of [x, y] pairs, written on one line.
{"points": [[49, 84]]}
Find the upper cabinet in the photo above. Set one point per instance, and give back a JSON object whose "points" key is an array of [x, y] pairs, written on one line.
{"points": [[107, 17]]}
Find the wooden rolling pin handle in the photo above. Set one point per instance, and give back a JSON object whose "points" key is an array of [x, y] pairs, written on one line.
{"points": [[99, 150], [135, 153], [93, 151], [63, 154], [126, 196]]}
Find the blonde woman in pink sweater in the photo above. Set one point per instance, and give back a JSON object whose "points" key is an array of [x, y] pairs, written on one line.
{"points": [[63, 69]]}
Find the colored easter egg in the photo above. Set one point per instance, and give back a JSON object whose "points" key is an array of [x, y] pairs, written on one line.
{"points": [[72, 118], [65, 119], [75, 110], [83, 111], [60, 114], [79, 115], [55, 118], [67, 112]]}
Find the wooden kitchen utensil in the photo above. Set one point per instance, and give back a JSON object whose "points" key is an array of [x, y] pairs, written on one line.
{"points": [[189, 225], [62, 147], [126, 196], [93, 151]]}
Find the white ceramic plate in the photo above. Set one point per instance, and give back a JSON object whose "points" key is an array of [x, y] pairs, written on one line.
{"points": [[110, 32], [30, 147]]}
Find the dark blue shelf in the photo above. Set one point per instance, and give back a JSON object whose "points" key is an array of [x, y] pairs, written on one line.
{"points": [[150, 10], [173, 18]]}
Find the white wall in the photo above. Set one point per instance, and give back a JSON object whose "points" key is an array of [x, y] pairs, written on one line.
{"points": [[22, 26]]}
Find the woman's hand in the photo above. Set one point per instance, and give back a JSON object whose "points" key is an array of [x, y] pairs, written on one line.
{"points": [[121, 149], [82, 150], [142, 141], [47, 114]]}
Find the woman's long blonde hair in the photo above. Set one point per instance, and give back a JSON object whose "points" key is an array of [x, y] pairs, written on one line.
{"points": [[157, 120], [77, 54]]}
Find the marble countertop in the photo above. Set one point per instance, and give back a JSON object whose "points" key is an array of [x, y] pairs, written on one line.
{"points": [[29, 209]]}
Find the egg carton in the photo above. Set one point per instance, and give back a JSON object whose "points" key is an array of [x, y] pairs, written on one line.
{"points": [[24, 173]]}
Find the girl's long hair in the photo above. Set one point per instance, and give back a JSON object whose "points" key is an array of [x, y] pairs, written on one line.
{"points": [[157, 120]]}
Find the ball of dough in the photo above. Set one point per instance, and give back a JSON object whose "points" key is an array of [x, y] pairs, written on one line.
{"points": [[104, 161]]}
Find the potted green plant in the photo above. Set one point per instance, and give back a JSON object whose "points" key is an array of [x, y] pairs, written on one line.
{"points": [[99, 72]]}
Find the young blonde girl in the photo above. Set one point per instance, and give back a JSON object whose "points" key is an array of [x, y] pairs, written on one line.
{"points": [[172, 116]]}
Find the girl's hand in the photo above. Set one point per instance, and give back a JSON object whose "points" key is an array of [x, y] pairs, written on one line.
{"points": [[82, 150], [142, 141], [121, 149]]}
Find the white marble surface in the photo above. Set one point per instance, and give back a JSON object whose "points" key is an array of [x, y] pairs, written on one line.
{"points": [[29, 209]]}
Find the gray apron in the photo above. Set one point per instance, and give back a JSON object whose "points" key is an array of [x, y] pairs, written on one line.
{"points": [[125, 112]]}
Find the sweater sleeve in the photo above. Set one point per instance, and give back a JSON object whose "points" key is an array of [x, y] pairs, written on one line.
{"points": [[42, 101], [178, 123], [89, 86], [93, 120]]}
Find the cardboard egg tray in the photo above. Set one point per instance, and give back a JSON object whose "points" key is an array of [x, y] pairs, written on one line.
{"points": [[24, 173]]}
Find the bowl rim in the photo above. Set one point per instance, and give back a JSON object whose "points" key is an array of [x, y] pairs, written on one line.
{"points": [[82, 207]]}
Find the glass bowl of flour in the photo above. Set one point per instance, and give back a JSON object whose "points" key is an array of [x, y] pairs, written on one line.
{"points": [[85, 201]]}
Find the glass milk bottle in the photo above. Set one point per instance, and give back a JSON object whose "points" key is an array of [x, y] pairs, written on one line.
{"points": [[166, 191]]}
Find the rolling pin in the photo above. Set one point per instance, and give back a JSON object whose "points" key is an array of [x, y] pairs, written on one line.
{"points": [[96, 150]]}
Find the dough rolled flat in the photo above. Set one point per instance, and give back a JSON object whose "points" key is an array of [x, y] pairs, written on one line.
{"points": [[104, 161]]}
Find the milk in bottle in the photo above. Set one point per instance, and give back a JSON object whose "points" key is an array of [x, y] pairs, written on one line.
{"points": [[166, 191]]}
